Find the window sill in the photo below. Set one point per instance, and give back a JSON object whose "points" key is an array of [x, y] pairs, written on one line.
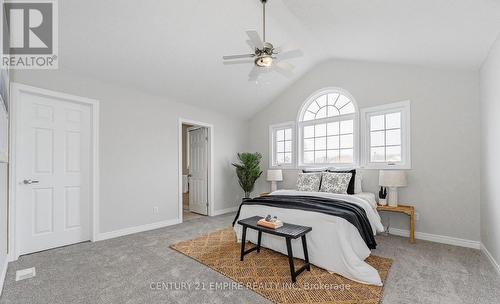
{"points": [[287, 167], [384, 166]]}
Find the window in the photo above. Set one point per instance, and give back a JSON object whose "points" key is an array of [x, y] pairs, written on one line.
{"points": [[386, 133], [328, 129], [282, 145]]}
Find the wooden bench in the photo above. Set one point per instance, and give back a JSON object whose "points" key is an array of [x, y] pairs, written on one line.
{"points": [[288, 231]]}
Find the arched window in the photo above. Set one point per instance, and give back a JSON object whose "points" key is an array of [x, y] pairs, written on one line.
{"points": [[328, 129]]}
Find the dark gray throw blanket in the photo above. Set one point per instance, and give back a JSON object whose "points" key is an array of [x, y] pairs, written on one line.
{"points": [[352, 213]]}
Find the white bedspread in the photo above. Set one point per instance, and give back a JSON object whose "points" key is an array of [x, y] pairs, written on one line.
{"points": [[334, 244]]}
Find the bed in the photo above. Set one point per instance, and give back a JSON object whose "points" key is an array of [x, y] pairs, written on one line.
{"points": [[335, 244]]}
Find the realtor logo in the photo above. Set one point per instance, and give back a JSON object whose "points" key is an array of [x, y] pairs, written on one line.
{"points": [[29, 31]]}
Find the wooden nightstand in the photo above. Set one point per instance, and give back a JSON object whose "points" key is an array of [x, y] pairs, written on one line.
{"points": [[405, 209]]}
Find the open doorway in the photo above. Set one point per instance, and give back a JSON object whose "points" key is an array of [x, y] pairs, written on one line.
{"points": [[195, 160]]}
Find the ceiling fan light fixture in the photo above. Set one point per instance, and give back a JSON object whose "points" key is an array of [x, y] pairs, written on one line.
{"points": [[265, 57], [264, 61]]}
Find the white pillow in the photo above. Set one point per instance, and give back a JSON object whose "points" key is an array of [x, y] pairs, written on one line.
{"points": [[358, 180], [335, 182], [369, 197], [309, 182]]}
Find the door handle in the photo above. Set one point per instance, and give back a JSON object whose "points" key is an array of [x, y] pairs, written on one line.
{"points": [[30, 181]]}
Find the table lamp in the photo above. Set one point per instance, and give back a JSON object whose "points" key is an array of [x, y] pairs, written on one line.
{"points": [[392, 179], [274, 176]]}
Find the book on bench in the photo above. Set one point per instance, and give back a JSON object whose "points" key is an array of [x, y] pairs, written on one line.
{"points": [[273, 225]]}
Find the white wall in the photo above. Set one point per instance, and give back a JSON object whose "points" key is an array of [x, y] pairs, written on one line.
{"points": [[3, 220], [139, 151], [3, 197], [490, 152], [444, 182]]}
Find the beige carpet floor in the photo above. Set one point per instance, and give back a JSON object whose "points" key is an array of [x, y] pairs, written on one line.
{"points": [[121, 270]]}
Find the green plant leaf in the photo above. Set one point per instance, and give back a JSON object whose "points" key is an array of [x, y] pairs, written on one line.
{"points": [[248, 170]]}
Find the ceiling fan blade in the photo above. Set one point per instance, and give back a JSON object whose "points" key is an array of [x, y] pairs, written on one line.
{"points": [[254, 73], [246, 61], [250, 44], [238, 56], [288, 46], [255, 39], [284, 68], [284, 65], [291, 54]]}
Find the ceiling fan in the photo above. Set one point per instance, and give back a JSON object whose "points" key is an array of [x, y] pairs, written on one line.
{"points": [[265, 57]]}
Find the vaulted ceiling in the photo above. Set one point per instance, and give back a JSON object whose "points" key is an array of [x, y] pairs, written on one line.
{"points": [[174, 48]]}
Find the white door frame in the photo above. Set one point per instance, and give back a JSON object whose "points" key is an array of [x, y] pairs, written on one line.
{"points": [[14, 114], [211, 200]]}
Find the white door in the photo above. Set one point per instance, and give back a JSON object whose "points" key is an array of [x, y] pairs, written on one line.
{"points": [[52, 172], [198, 170]]}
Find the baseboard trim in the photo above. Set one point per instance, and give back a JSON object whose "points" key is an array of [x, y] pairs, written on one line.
{"points": [[3, 274], [136, 229], [491, 258], [437, 238], [227, 210]]}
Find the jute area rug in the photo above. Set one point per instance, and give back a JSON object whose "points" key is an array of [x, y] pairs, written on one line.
{"points": [[268, 272]]}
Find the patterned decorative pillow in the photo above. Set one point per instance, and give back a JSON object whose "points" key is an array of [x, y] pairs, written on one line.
{"points": [[352, 183], [309, 182], [335, 182]]}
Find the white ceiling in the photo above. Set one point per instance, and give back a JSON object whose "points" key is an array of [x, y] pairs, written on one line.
{"points": [[174, 48]]}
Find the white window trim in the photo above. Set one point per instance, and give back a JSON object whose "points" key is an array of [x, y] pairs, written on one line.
{"points": [[301, 124], [405, 108], [272, 145]]}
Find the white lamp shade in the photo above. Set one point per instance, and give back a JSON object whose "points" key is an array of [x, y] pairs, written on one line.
{"points": [[274, 175], [392, 178]]}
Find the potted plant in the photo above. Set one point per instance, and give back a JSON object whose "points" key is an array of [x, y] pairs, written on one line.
{"points": [[382, 195], [248, 171]]}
